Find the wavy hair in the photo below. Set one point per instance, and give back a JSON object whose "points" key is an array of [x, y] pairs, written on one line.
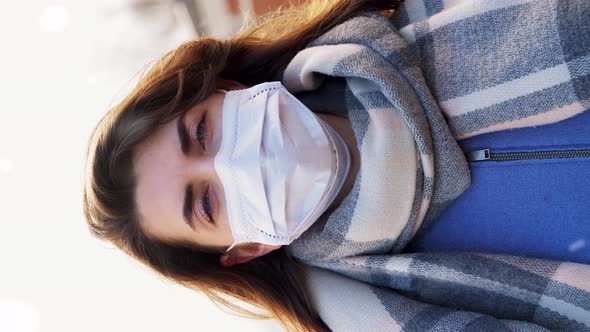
{"points": [[181, 78]]}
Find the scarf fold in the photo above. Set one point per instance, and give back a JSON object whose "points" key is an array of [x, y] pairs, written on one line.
{"points": [[366, 67], [378, 79]]}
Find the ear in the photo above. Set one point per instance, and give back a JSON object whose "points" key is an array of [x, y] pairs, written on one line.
{"points": [[224, 84], [248, 251]]}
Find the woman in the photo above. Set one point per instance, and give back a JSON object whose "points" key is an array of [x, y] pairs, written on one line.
{"points": [[162, 178]]}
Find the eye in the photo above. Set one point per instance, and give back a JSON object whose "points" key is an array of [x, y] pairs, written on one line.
{"points": [[205, 207], [200, 132]]}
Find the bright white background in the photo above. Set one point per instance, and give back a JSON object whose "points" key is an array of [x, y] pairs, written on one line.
{"points": [[62, 64]]}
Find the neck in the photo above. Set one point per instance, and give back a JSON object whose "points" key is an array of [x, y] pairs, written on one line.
{"points": [[343, 127]]}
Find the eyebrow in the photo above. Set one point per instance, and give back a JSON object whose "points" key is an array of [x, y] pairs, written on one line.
{"points": [[187, 207], [183, 136]]}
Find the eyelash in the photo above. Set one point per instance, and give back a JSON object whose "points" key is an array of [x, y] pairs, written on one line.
{"points": [[207, 215], [201, 132], [200, 135]]}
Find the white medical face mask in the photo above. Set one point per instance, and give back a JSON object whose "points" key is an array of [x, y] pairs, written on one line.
{"points": [[280, 165]]}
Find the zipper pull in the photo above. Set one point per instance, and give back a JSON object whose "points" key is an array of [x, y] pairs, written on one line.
{"points": [[478, 155]]}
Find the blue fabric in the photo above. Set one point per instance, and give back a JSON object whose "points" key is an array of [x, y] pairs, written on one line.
{"points": [[537, 208]]}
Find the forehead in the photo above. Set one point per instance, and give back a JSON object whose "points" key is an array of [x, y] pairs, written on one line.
{"points": [[159, 191]]}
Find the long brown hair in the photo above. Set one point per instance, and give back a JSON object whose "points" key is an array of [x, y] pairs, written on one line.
{"points": [[180, 79]]}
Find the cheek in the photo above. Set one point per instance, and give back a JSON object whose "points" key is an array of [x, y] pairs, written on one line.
{"points": [[214, 114], [226, 232]]}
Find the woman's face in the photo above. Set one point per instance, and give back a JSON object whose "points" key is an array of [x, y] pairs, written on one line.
{"points": [[179, 195]]}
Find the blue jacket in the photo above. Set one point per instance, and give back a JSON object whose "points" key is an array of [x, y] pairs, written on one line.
{"points": [[531, 207]]}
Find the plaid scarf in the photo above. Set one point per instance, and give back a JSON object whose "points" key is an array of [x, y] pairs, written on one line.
{"points": [[411, 88]]}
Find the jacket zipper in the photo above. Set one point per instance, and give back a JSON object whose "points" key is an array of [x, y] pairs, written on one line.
{"points": [[487, 155]]}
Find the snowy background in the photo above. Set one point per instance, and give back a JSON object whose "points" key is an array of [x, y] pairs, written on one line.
{"points": [[63, 64]]}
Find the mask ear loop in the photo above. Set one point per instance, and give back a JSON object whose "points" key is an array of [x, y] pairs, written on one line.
{"points": [[230, 247]]}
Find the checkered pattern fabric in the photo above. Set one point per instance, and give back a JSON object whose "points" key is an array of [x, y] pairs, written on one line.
{"points": [[412, 86]]}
